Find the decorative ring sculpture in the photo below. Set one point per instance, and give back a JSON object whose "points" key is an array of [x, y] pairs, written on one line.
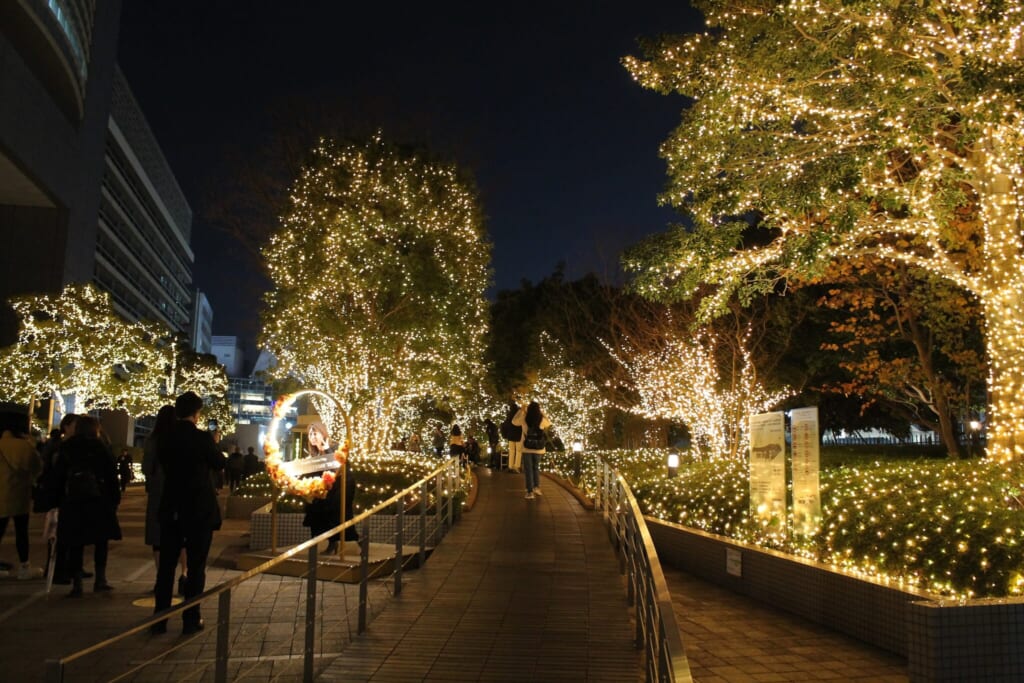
{"points": [[283, 476]]}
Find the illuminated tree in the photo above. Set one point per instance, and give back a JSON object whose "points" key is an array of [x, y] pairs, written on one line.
{"points": [[573, 403], [841, 128], [684, 379], [908, 343], [74, 343], [201, 373], [378, 270]]}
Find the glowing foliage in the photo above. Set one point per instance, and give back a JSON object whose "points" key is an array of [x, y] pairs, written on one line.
{"points": [[571, 401], [851, 128], [378, 272], [682, 380]]}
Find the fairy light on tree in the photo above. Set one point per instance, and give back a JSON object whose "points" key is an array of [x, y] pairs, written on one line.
{"points": [[573, 403], [74, 343], [379, 269], [851, 130], [681, 380]]}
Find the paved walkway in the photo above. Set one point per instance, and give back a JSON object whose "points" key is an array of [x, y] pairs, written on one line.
{"points": [[519, 590]]}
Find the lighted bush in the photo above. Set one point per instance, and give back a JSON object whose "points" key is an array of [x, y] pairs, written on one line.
{"points": [[952, 527]]}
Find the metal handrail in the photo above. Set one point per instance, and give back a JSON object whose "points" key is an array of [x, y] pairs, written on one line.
{"points": [[657, 630], [450, 469]]}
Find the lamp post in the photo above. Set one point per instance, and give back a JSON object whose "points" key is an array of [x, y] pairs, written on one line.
{"points": [[975, 427], [673, 464]]}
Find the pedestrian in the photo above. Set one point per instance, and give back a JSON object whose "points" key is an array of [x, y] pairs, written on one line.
{"points": [[473, 449], [513, 433], [124, 469], [47, 500], [252, 462], [189, 511], [236, 468], [20, 465], [151, 469], [415, 444], [323, 514], [457, 445], [88, 498], [492, 444], [438, 441], [533, 423]]}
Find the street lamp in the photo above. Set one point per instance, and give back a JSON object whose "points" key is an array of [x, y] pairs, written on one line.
{"points": [[577, 460], [975, 426], [673, 464]]}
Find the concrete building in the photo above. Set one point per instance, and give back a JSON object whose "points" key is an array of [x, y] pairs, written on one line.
{"points": [[201, 330], [229, 354], [57, 71]]}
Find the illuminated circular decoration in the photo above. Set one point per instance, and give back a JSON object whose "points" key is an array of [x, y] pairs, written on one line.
{"points": [[284, 474]]}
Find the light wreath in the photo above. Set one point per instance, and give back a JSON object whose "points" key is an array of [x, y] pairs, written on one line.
{"points": [[309, 488]]}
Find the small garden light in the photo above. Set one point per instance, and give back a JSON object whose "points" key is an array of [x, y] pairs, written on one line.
{"points": [[673, 464]]}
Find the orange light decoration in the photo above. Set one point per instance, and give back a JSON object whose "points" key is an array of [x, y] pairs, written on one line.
{"points": [[309, 488]]}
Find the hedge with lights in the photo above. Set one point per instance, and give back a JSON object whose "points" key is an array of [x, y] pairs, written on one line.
{"points": [[951, 527]]}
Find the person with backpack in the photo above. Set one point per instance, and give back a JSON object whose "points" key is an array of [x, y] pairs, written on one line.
{"points": [[513, 433], [88, 495], [533, 423]]}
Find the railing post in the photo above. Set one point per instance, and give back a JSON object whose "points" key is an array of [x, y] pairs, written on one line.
{"points": [[54, 671], [439, 507], [307, 652], [364, 573], [451, 495], [423, 524], [223, 628], [399, 541]]}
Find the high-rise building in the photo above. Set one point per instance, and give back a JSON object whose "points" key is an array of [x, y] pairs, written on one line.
{"points": [[202, 324], [57, 66], [229, 354], [85, 191]]}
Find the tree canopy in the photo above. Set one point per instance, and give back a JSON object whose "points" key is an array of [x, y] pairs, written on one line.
{"points": [[841, 128], [379, 270]]}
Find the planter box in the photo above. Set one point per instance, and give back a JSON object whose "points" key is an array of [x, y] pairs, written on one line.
{"points": [[291, 532], [980, 640], [239, 507]]}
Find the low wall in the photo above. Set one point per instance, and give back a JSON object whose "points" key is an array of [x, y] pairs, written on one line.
{"points": [[982, 640]]}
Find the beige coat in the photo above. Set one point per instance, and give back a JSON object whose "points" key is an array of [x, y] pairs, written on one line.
{"points": [[20, 465]]}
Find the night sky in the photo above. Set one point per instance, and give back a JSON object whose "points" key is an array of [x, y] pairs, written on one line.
{"points": [[531, 99]]}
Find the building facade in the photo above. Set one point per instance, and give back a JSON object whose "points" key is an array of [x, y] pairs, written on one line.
{"points": [[201, 331]]}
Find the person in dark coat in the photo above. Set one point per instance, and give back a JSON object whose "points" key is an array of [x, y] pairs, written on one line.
{"points": [[324, 514], [88, 496], [124, 469], [189, 511], [165, 421], [492, 443], [236, 468], [252, 462]]}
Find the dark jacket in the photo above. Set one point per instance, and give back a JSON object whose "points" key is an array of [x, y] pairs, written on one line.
{"points": [[187, 457], [325, 513], [84, 522]]}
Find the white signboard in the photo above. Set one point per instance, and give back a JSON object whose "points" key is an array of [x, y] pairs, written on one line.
{"points": [[806, 465], [768, 466], [733, 562]]}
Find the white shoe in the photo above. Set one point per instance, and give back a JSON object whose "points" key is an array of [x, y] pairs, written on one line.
{"points": [[27, 571], [536, 491], [529, 496]]}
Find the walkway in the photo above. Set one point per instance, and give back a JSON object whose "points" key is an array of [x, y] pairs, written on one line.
{"points": [[520, 590]]}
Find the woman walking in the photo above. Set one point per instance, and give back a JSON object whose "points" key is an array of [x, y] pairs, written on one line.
{"points": [[534, 445], [19, 467], [154, 474]]}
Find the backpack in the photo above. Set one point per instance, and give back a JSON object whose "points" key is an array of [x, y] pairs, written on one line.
{"points": [[535, 439], [509, 431], [81, 485]]}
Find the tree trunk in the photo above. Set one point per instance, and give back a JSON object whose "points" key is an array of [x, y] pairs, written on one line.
{"points": [[1005, 419]]}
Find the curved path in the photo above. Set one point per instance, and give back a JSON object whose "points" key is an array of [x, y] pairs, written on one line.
{"points": [[519, 590]]}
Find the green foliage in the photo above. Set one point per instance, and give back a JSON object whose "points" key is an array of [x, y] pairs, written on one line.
{"points": [[952, 527]]}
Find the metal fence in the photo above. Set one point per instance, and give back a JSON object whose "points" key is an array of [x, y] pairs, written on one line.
{"points": [[657, 630], [257, 630]]}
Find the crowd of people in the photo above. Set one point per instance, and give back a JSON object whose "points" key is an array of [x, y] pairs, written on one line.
{"points": [[525, 429]]}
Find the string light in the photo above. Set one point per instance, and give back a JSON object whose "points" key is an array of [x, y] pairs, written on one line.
{"points": [[379, 271], [872, 129]]}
